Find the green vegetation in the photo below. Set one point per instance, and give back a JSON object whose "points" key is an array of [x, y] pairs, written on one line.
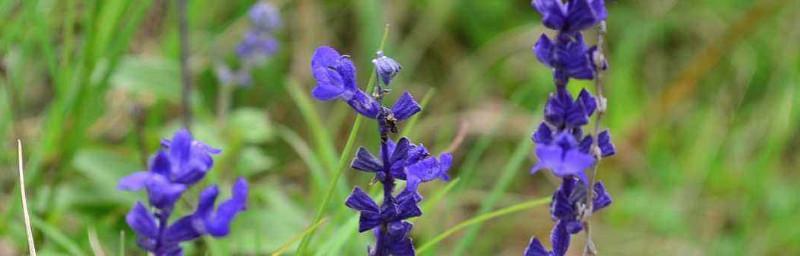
{"points": [[703, 104]]}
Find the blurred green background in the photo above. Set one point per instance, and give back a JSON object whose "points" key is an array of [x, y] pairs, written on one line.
{"points": [[703, 108]]}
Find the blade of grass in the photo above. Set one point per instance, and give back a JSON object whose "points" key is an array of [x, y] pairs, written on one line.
{"points": [[469, 167], [296, 238], [434, 200], [31, 246], [514, 163], [322, 139], [121, 243], [482, 218], [346, 152], [302, 149], [94, 243]]}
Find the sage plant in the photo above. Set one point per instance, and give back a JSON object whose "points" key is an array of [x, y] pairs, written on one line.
{"points": [[562, 144], [396, 160], [181, 163]]}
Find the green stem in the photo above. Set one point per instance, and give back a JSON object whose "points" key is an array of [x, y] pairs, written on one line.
{"points": [[480, 219], [507, 176]]}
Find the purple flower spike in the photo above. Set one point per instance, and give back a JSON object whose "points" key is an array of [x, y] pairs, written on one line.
{"points": [[335, 75], [181, 163], [561, 145]]}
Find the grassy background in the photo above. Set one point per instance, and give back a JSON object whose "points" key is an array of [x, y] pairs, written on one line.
{"points": [[703, 107]]}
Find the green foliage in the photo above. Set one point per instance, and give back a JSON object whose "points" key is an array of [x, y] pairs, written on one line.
{"points": [[702, 104]]}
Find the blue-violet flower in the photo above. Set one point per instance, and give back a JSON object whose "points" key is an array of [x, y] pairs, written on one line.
{"points": [[401, 160], [181, 163]]}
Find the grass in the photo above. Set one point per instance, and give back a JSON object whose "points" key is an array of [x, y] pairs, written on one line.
{"points": [[26, 214], [702, 107]]}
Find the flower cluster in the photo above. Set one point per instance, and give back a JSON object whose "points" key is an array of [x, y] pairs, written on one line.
{"points": [[257, 44], [565, 209], [181, 163], [561, 145], [568, 54], [401, 160]]}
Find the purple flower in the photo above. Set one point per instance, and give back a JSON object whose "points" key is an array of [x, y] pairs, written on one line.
{"points": [[567, 201], [181, 163], [563, 157], [386, 68], [336, 80], [372, 215], [562, 112], [264, 17], [560, 239], [396, 239], [572, 16], [256, 47], [406, 162], [568, 56], [428, 169]]}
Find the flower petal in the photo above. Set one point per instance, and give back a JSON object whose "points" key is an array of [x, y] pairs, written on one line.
{"points": [[543, 134], [365, 161], [219, 224], [141, 221], [364, 104], [184, 229], [581, 15], [602, 197], [544, 50], [604, 142], [134, 182], [535, 248], [163, 193], [553, 13], [405, 107], [559, 237]]}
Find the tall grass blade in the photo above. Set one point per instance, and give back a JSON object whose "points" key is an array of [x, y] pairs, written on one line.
{"points": [[26, 214], [507, 176], [480, 219], [296, 238]]}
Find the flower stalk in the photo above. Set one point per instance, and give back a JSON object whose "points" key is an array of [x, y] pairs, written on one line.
{"points": [[561, 145]]}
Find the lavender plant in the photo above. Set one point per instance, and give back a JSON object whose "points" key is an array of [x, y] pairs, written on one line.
{"points": [[181, 163], [400, 160], [561, 145]]}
